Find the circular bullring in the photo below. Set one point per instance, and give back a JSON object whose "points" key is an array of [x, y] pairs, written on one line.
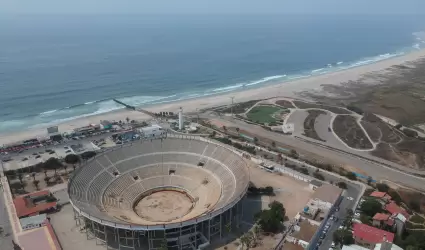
{"points": [[159, 183]]}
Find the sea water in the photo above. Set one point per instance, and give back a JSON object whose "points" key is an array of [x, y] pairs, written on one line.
{"points": [[58, 68]]}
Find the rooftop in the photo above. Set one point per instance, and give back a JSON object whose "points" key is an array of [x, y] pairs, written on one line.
{"points": [[42, 238], [327, 193], [393, 208], [371, 234], [32, 204], [38, 219], [306, 231], [377, 194], [381, 217]]}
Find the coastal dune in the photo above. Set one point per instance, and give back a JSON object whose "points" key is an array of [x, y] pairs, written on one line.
{"points": [[287, 89]]}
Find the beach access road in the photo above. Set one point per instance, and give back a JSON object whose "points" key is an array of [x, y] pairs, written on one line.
{"points": [[373, 166]]}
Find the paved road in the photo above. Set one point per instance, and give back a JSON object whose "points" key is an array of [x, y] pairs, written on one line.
{"points": [[351, 195], [377, 171], [5, 238]]}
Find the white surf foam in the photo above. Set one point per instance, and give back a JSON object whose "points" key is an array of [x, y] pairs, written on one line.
{"points": [[228, 88], [317, 70], [265, 79], [48, 112]]}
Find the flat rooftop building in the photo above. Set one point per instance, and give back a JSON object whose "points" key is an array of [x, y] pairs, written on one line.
{"points": [[34, 203], [327, 193]]}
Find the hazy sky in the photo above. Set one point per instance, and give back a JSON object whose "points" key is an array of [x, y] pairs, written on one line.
{"points": [[416, 7]]}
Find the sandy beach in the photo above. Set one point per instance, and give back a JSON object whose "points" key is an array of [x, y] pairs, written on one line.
{"points": [[287, 89]]}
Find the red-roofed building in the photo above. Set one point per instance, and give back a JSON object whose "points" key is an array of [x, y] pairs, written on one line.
{"points": [[393, 208], [380, 219], [382, 196], [369, 236], [34, 203]]}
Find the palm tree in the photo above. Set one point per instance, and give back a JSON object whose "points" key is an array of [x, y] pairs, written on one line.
{"points": [[237, 130], [127, 119], [33, 176], [224, 128], [55, 168], [45, 171], [36, 182], [46, 180], [273, 144], [255, 140], [20, 177]]}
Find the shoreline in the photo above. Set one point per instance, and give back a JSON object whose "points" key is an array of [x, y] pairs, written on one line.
{"points": [[287, 88]]}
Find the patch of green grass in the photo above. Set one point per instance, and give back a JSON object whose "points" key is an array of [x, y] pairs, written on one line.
{"points": [[262, 114]]}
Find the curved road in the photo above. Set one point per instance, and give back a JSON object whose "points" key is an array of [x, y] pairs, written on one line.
{"points": [[396, 173]]}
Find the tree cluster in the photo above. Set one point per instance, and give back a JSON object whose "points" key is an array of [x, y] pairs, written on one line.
{"points": [[343, 237], [261, 190], [370, 207], [271, 219]]}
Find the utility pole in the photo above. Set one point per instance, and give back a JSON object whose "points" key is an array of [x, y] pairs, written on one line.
{"points": [[231, 107]]}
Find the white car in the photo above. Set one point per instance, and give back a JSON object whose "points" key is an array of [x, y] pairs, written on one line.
{"points": [[357, 215], [350, 198], [333, 244]]}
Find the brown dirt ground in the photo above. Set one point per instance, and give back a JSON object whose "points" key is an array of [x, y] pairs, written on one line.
{"points": [[164, 206], [293, 194]]}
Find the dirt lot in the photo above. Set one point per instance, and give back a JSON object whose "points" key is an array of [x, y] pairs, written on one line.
{"points": [[349, 131], [293, 194], [164, 206], [309, 122], [308, 105]]}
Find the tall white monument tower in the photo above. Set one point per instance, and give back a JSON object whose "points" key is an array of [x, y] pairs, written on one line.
{"points": [[181, 118]]}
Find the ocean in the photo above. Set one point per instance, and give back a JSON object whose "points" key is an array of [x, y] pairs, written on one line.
{"points": [[58, 68]]}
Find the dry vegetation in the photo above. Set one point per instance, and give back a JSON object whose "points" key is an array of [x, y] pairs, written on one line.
{"points": [[349, 131], [308, 105], [309, 122], [397, 93], [285, 103]]}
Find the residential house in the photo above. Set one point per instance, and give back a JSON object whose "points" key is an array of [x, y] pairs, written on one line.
{"points": [[382, 197], [369, 236], [380, 220]]}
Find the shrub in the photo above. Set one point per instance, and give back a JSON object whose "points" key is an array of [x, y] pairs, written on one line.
{"points": [[88, 155], [305, 171], [370, 207], [351, 176], [72, 159], [415, 205], [396, 197], [319, 176], [342, 185], [410, 133], [355, 109], [382, 187]]}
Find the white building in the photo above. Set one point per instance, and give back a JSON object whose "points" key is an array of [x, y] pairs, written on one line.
{"points": [[152, 132]]}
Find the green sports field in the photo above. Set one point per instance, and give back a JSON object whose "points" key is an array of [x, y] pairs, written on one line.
{"points": [[263, 114]]}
